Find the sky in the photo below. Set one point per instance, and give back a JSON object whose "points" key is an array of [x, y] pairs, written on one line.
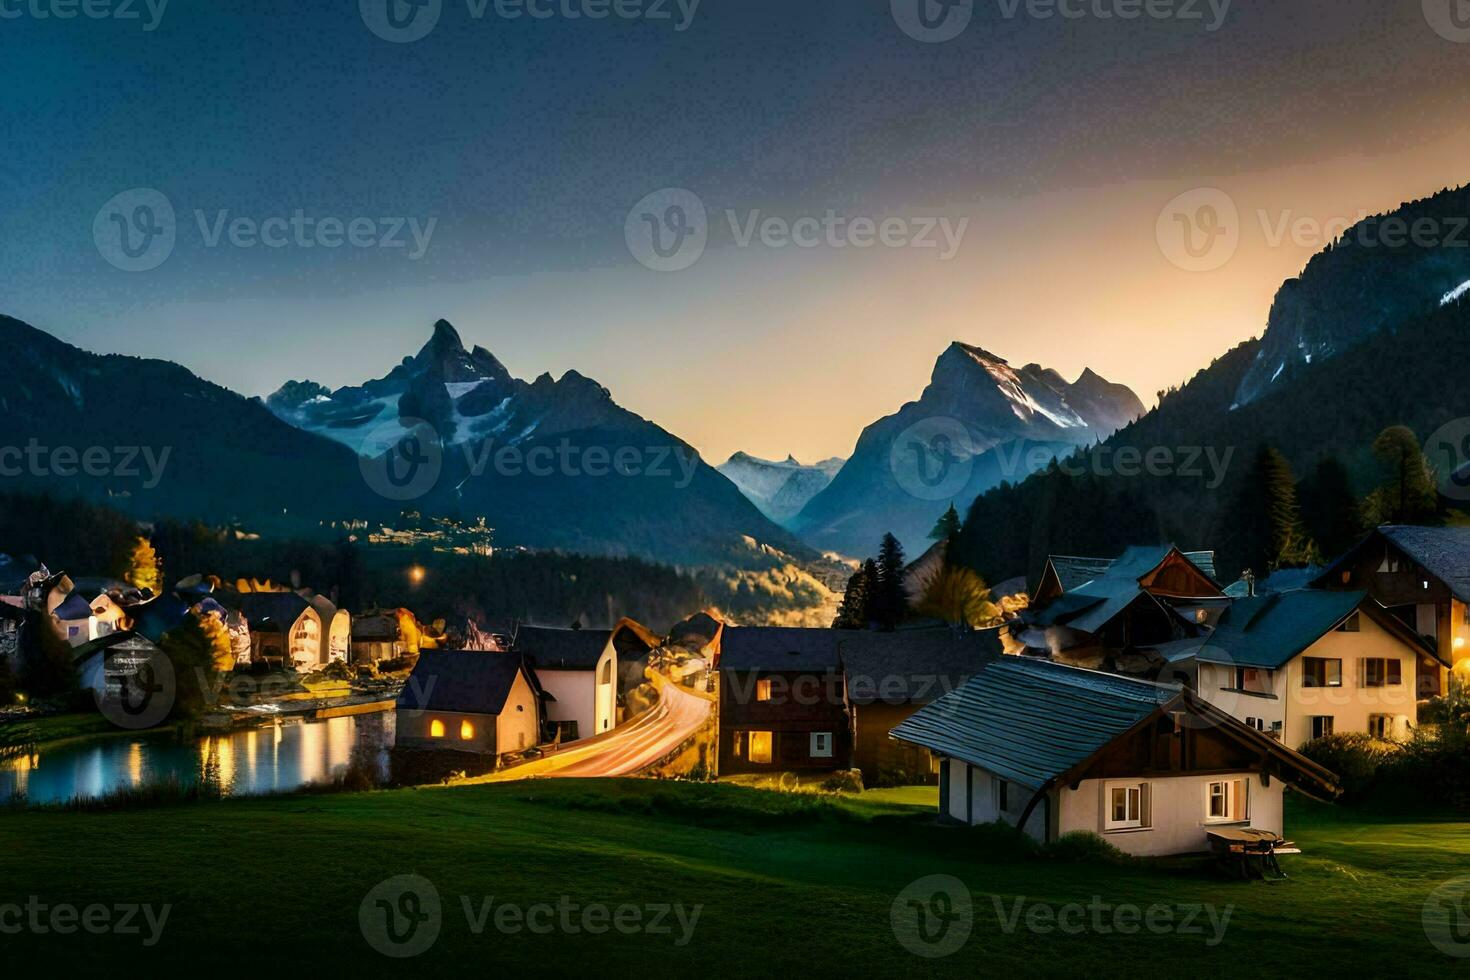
{"points": [[839, 190]]}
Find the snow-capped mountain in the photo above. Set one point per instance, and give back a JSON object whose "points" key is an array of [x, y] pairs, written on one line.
{"points": [[779, 488], [979, 422]]}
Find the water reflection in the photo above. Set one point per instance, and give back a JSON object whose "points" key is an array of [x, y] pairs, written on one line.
{"points": [[282, 755]]}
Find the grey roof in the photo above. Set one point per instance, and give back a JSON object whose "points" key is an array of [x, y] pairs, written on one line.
{"points": [[1091, 605], [1443, 551], [473, 682], [781, 648], [1073, 571], [278, 609], [913, 666], [1267, 631], [1030, 721], [561, 649]]}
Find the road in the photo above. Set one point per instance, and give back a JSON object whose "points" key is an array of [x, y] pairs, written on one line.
{"points": [[628, 749]]}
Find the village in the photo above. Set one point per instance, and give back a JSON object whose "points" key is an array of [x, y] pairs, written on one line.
{"points": [[1133, 697]]}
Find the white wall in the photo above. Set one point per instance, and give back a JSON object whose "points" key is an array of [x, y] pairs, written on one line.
{"points": [[575, 692], [1177, 808], [606, 697], [980, 806]]}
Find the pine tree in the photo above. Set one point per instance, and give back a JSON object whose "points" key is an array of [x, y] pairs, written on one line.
{"points": [[855, 613], [1331, 511], [947, 528], [890, 605], [1407, 494], [1289, 545]]}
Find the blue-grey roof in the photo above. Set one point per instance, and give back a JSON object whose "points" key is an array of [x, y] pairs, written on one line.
{"points": [[473, 682], [1091, 605], [1267, 631], [781, 648], [914, 666], [73, 608], [1443, 551], [1029, 720], [562, 649]]}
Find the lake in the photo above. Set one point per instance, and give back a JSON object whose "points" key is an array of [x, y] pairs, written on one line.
{"points": [[280, 755]]}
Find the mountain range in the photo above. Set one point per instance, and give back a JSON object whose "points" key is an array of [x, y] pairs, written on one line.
{"points": [[779, 488], [978, 423]]}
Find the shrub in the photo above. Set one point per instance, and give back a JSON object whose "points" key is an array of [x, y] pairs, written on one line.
{"points": [[844, 781], [1084, 847], [1356, 758]]}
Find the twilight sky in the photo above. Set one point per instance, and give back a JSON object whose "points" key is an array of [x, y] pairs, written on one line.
{"points": [[518, 146]]}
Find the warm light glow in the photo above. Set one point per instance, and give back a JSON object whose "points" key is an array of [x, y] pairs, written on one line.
{"points": [[1459, 642], [466, 731], [416, 574], [760, 746], [436, 729]]}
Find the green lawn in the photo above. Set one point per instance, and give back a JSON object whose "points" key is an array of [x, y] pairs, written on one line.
{"points": [[789, 885]]}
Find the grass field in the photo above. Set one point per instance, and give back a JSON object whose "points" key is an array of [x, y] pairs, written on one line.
{"points": [[793, 885]]}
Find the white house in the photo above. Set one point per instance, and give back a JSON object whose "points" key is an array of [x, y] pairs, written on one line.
{"points": [[284, 627], [585, 672], [1304, 664], [336, 629], [1055, 749]]}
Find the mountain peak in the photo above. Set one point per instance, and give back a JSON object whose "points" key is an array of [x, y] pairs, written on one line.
{"points": [[446, 340]]}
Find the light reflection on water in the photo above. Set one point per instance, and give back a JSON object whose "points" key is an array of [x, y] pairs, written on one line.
{"points": [[272, 758]]}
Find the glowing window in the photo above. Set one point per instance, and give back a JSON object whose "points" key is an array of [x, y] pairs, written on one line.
{"points": [[763, 690], [760, 746], [436, 729], [466, 731]]}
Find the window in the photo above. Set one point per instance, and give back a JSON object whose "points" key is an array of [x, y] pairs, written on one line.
{"points": [[1000, 789], [1252, 680], [1351, 625], [760, 747], [1259, 724], [1382, 672], [1227, 801], [1380, 726], [1321, 672], [606, 672], [821, 745], [1321, 725], [466, 731], [737, 745], [763, 690], [1127, 806], [436, 729], [72, 631]]}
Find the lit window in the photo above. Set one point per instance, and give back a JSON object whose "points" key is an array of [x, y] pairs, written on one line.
{"points": [[1127, 806], [737, 745], [1321, 672], [763, 690], [821, 745], [466, 731], [1382, 672], [760, 747], [1227, 801], [436, 729]]}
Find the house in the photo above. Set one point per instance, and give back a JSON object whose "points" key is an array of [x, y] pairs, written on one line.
{"points": [[376, 636], [586, 671], [469, 701], [1085, 607], [12, 615], [1055, 749], [1422, 576], [783, 700], [336, 629], [285, 629], [1304, 664], [890, 675]]}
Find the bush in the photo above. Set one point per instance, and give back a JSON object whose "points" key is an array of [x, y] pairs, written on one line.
{"points": [[1356, 758], [844, 781], [1084, 847]]}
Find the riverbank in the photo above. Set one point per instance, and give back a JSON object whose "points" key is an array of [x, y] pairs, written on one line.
{"points": [[784, 884]]}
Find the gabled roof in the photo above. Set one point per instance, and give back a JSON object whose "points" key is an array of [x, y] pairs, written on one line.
{"points": [[913, 666], [1443, 551], [785, 648], [1268, 631], [580, 649], [73, 608], [1030, 720], [470, 681], [1114, 586], [1035, 722], [278, 609]]}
